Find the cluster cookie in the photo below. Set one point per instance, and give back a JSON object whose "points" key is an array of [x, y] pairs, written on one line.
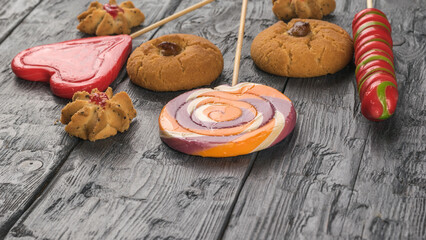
{"points": [[288, 9], [175, 62], [97, 115], [302, 48], [110, 18]]}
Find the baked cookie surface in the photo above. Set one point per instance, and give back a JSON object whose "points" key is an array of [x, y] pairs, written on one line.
{"points": [[97, 115], [288, 9], [110, 18], [302, 48], [175, 62]]}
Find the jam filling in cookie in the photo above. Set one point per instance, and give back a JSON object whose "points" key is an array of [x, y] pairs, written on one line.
{"points": [[113, 9], [97, 115], [99, 98], [175, 62], [300, 29], [110, 18], [169, 49], [302, 48]]}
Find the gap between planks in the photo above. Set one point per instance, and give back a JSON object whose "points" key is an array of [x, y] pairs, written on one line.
{"points": [[49, 180], [37, 194], [237, 196], [242, 184], [10, 31], [355, 179]]}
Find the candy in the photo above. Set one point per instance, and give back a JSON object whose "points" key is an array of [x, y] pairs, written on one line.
{"points": [[375, 45], [76, 65], [372, 18], [227, 121], [374, 67], [366, 38], [373, 78], [374, 51], [370, 58], [379, 101], [375, 71], [365, 12], [374, 24]]}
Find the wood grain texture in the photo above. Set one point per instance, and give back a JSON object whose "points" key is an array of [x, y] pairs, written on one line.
{"points": [[339, 175], [33, 143], [132, 185], [12, 13], [389, 200]]}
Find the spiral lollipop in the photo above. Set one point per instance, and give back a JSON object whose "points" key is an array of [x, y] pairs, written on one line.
{"points": [[227, 120]]}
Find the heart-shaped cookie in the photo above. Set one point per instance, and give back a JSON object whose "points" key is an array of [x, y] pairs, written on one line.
{"points": [[76, 65]]}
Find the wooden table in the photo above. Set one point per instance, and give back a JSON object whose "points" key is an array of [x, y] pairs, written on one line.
{"points": [[337, 176]]}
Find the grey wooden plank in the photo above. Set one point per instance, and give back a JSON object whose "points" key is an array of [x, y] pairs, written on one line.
{"points": [[390, 192], [336, 176], [132, 185], [12, 13], [33, 144]]}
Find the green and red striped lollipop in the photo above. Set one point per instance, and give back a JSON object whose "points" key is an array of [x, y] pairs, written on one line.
{"points": [[375, 71]]}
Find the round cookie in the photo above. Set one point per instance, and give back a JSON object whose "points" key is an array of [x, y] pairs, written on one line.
{"points": [[175, 62], [288, 9], [302, 48]]}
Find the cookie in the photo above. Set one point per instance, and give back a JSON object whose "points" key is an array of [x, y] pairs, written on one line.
{"points": [[288, 9], [110, 18], [302, 48], [175, 62], [97, 115]]}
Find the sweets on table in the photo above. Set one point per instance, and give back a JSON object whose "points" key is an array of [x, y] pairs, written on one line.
{"points": [[97, 115], [302, 48], [110, 18], [76, 65], [227, 121], [288, 9], [375, 71], [82, 64], [175, 62]]}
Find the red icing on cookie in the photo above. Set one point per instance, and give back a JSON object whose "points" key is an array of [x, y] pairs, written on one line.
{"points": [[76, 65]]}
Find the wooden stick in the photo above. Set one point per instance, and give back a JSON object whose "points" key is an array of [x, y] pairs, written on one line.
{"points": [[369, 3], [239, 43], [170, 18]]}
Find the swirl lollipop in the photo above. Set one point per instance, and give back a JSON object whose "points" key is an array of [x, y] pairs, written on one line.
{"points": [[375, 71], [227, 120]]}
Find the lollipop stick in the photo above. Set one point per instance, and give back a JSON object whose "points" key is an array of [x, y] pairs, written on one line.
{"points": [[239, 43], [369, 3], [170, 18]]}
